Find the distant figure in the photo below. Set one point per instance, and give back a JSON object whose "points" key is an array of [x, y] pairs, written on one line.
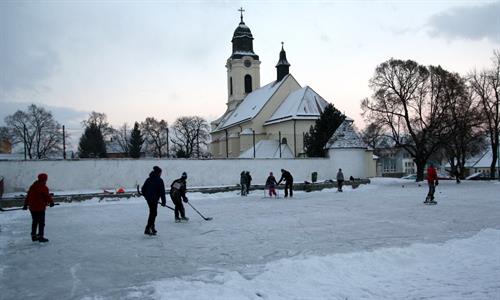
{"points": [[178, 195], [457, 175], [340, 180], [37, 200], [249, 181], [153, 189], [432, 181], [287, 177], [243, 183], [271, 184]]}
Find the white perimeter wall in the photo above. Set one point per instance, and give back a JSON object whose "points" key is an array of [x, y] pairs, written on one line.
{"points": [[114, 173]]}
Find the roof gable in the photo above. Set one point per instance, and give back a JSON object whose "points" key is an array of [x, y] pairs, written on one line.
{"points": [[345, 137], [304, 103]]}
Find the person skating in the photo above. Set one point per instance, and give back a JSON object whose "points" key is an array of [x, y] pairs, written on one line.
{"points": [[271, 184], [340, 180], [153, 189], [243, 183], [287, 177], [432, 181], [457, 175], [178, 195], [249, 181], [37, 200]]}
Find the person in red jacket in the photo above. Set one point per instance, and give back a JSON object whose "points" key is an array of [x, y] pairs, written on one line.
{"points": [[37, 200], [432, 180]]}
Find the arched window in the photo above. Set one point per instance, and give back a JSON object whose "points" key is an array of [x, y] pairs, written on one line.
{"points": [[283, 141], [230, 85], [248, 84]]}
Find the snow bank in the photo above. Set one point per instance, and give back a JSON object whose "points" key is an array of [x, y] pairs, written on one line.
{"points": [[457, 269]]}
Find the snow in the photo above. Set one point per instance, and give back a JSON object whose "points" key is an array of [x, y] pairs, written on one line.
{"points": [[251, 105], [375, 242], [268, 149], [303, 103], [346, 137]]}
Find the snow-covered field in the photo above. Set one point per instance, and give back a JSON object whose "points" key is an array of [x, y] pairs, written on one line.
{"points": [[376, 242]]}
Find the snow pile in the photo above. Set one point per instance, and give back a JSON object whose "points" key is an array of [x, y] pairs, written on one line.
{"points": [[457, 269]]}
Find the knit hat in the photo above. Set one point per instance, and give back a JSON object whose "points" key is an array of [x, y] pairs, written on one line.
{"points": [[184, 175], [157, 169], [43, 177]]}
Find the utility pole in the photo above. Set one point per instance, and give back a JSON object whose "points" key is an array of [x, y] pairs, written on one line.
{"points": [[279, 141], [253, 138], [64, 142], [168, 155]]}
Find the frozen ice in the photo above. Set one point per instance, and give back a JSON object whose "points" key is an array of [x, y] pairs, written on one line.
{"points": [[375, 242]]}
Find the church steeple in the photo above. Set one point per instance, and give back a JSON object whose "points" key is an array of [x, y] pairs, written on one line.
{"points": [[243, 40], [283, 66]]}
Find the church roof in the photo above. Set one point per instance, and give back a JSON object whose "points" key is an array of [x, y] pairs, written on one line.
{"points": [[268, 149], [303, 103], [346, 137], [251, 105]]}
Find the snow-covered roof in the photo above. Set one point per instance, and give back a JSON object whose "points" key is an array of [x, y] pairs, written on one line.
{"points": [[303, 103], [268, 149], [251, 105], [345, 137], [482, 161]]}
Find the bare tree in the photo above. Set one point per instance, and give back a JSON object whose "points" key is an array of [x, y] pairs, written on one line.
{"points": [[372, 134], [37, 130], [101, 121], [191, 135], [122, 136], [486, 87], [156, 135], [409, 102]]}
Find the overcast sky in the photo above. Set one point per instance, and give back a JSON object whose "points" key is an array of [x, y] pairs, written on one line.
{"points": [[134, 59]]}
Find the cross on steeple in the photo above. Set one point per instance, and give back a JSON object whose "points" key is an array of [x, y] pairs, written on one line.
{"points": [[282, 45], [241, 10]]}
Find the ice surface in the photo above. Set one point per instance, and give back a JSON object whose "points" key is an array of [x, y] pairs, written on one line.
{"points": [[375, 242]]}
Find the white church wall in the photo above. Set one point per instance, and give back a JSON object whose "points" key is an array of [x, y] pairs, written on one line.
{"points": [[111, 173], [351, 161]]}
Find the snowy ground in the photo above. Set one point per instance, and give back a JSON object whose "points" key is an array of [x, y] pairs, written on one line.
{"points": [[376, 242]]}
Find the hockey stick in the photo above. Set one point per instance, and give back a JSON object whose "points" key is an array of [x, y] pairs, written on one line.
{"points": [[204, 218], [140, 194], [18, 208]]}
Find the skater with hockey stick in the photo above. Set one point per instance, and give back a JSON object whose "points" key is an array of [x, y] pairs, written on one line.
{"points": [[287, 177], [271, 184], [178, 195], [432, 181], [153, 189], [37, 200]]}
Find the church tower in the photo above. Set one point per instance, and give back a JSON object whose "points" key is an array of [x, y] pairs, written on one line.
{"points": [[243, 66]]}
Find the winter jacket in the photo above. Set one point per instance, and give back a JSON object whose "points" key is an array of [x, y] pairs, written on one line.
{"points": [[340, 175], [431, 175], [271, 181], [286, 176], [153, 188], [178, 189], [38, 196], [243, 178]]}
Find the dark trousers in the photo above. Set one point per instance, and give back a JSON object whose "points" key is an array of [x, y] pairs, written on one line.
{"points": [[289, 186], [153, 211], [339, 185], [38, 221], [179, 207], [432, 189]]}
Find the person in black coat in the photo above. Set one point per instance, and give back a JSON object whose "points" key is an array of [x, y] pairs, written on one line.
{"points": [[249, 181], [287, 177], [243, 183], [153, 189], [178, 195]]}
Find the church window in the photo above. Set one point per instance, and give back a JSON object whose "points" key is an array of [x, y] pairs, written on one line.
{"points": [[283, 141], [230, 85], [248, 84]]}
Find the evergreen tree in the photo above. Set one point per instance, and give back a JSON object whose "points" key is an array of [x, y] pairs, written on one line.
{"points": [[92, 143], [319, 134], [135, 142]]}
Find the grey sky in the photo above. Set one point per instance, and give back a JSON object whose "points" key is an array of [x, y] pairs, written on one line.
{"points": [[165, 59]]}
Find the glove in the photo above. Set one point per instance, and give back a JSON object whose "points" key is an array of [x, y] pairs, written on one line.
{"points": [[25, 207], [185, 200], [163, 203], [51, 204], [437, 183]]}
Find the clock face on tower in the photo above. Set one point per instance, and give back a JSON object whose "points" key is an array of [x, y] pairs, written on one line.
{"points": [[247, 63]]}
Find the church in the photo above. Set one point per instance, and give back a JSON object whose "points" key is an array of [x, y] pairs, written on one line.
{"points": [[267, 121]]}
